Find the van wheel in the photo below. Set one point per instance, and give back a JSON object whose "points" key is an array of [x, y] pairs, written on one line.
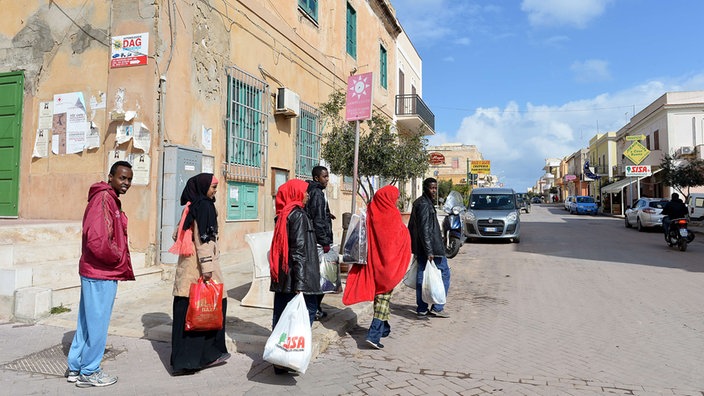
{"points": [[628, 225], [640, 226], [517, 240]]}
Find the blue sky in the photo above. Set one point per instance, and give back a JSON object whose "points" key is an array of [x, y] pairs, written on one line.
{"points": [[525, 80]]}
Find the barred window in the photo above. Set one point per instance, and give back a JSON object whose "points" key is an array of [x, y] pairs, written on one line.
{"points": [[247, 123], [307, 141]]}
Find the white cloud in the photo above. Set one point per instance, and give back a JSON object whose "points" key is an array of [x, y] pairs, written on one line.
{"points": [[448, 59], [463, 41], [577, 13], [517, 139], [591, 70]]}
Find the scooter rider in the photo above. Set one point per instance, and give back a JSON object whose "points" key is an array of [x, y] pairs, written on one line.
{"points": [[674, 209]]}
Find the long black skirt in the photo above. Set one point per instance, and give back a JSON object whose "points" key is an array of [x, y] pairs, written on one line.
{"points": [[194, 350]]}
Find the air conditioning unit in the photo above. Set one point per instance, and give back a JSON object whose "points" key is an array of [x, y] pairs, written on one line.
{"points": [[288, 103], [686, 150]]}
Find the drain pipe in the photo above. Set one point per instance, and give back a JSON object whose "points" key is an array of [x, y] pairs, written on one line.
{"points": [[160, 168]]}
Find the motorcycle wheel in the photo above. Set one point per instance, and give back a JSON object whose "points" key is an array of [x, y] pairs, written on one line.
{"points": [[682, 244], [452, 247]]}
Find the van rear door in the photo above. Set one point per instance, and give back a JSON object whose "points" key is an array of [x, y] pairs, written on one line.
{"points": [[695, 205]]}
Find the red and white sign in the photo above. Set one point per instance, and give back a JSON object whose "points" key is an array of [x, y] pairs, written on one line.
{"points": [[638, 171], [131, 50], [436, 158], [570, 178], [359, 97]]}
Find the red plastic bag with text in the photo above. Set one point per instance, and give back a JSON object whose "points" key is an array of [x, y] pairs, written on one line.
{"points": [[204, 306]]}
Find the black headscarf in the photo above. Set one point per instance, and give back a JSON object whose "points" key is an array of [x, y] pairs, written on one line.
{"points": [[202, 208]]}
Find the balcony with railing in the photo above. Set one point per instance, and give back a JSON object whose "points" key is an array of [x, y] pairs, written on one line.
{"points": [[413, 115]]}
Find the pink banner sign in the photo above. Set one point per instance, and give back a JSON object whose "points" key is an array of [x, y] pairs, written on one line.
{"points": [[359, 97]]}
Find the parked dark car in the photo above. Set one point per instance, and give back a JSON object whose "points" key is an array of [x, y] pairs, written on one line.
{"points": [[523, 202], [535, 200]]}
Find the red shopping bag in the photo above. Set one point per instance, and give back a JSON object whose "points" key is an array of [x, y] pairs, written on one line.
{"points": [[204, 306]]}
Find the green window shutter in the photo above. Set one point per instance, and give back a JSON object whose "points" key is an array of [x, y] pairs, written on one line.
{"points": [[310, 7], [242, 201], [382, 66], [308, 142], [351, 31]]}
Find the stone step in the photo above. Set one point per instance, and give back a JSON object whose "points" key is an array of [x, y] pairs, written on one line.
{"points": [[70, 295], [45, 252], [29, 231]]}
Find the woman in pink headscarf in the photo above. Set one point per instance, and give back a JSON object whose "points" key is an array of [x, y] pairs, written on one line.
{"points": [[388, 255]]}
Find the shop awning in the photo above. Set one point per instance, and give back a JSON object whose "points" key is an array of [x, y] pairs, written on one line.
{"points": [[616, 187]]}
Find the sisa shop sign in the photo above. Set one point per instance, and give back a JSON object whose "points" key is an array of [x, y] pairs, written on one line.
{"points": [[638, 171]]}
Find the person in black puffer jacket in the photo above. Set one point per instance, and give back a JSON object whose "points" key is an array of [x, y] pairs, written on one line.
{"points": [[319, 212], [427, 244]]}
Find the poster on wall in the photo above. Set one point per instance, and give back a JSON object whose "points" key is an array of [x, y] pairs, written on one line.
{"points": [[130, 50], [142, 137], [141, 165], [93, 138], [70, 124], [41, 144]]}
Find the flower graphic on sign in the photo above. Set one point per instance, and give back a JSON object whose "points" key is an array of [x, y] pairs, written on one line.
{"points": [[359, 86]]}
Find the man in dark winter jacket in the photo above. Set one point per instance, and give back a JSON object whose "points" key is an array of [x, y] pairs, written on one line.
{"points": [[674, 209], [427, 244], [319, 212]]}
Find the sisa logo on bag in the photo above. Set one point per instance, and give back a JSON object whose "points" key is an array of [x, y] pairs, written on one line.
{"points": [[291, 344]]}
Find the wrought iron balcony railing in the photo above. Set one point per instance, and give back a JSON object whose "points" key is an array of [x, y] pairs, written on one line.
{"points": [[412, 104]]}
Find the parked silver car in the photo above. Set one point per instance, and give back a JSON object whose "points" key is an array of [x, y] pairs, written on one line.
{"points": [[493, 213], [568, 201], [645, 213]]}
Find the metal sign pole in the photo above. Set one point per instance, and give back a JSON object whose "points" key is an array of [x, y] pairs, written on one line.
{"points": [[355, 167]]}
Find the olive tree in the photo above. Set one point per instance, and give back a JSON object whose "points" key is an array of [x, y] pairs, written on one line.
{"points": [[682, 174], [383, 153]]}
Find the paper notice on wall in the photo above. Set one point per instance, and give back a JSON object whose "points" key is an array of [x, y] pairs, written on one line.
{"points": [[124, 133], [207, 138], [94, 104], [93, 138], [41, 144], [142, 137], [141, 166], [234, 193], [77, 128], [46, 114], [114, 156], [69, 123]]}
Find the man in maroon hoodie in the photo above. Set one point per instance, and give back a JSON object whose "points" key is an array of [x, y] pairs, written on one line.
{"points": [[105, 259]]}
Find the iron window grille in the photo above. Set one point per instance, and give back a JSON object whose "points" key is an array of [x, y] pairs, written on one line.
{"points": [[247, 127], [308, 141]]}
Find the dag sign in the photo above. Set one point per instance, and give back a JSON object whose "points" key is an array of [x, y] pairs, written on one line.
{"points": [[436, 158], [483, 166], [129, 50]]}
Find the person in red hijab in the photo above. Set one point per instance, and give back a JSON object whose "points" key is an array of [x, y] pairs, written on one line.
{"points": [[293, 256], [388, 256]]}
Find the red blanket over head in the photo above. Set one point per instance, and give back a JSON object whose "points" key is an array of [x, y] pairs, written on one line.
{"points": [[389, 250]]}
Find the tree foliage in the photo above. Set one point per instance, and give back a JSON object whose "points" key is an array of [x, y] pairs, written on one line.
{"points": [[382, 152], [682, 174]]}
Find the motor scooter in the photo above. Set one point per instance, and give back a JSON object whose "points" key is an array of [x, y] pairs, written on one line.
{"points": [[678, 234], [452, 227]]}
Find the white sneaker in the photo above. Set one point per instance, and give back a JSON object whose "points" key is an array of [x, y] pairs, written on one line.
{"points": [[98, 378]]}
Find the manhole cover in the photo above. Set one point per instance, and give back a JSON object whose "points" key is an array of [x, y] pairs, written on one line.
{"points": [[51, 361]]}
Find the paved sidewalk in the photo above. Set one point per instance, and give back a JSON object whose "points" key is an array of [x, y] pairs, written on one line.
{"points": [[141, 328]]}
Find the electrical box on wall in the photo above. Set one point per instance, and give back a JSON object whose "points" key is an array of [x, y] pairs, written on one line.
{"points": [[288, 103]]}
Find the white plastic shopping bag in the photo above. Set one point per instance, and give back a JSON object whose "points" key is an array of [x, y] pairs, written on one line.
{"points": [[433, 288], [412, 274], [291, 343]]}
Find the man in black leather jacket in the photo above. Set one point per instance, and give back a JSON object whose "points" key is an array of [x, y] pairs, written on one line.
{"points": [[674, 209], [427, 244], [319, 212]]}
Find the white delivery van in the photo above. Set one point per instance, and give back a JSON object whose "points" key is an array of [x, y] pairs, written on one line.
{"points": [[695, 206]]}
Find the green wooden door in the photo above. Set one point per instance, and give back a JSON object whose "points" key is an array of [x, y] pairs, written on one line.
{"points": [[11, 90]]}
